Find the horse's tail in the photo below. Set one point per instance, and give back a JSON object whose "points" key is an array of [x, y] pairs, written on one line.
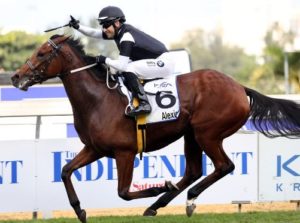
{"points": [[274, 117]]}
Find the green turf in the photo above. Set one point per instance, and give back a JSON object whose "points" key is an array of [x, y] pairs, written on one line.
{"points": [[250, 217]]}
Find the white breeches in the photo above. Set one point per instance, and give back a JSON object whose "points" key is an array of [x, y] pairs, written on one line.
{"points": [[162, 66]]}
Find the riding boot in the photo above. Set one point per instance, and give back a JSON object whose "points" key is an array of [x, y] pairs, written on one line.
{"points": [[139, 93]]}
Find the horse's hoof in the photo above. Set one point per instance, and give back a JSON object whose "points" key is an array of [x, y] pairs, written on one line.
{"points": [[171, 186], [82, 216], [150, 212], [190, 209]]}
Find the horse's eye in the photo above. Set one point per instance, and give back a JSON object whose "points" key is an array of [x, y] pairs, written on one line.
{"points": [[40, 54]]}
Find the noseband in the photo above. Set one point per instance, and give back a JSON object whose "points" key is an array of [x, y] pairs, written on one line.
{"points": [[39, 69]]}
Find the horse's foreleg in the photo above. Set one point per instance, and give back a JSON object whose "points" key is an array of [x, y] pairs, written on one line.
{"points": [[223, 166], [193, 171], [125, 161], [84, 157]]}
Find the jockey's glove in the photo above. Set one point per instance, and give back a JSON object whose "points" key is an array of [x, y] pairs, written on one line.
{"points": [[100, 59], [74, 23]]}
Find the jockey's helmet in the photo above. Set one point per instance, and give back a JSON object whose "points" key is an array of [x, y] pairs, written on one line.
{"points": [[110, 14]]}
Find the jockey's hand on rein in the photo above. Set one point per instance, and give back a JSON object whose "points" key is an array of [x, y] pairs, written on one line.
{"points": [[74, 23], [100, 59]]}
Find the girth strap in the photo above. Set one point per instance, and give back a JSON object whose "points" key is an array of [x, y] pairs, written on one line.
{"points": [[140, 132], [141, 136]]}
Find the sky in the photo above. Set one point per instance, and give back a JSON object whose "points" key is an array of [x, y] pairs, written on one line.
{"points": [[243, 22]]}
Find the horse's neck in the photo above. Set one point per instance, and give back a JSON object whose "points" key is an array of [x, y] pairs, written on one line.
{"points": [[84, 91]]}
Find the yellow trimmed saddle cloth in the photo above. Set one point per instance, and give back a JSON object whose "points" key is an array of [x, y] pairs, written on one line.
{"points": [[163, 98]]}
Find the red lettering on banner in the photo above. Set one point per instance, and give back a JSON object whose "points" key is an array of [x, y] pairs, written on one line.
{"points": [[136, 186]]}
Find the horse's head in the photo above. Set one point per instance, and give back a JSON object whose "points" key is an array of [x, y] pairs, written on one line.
{"points": [[42, 65]]}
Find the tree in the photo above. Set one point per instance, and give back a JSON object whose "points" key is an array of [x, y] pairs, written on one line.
{"points": [[208, 51], [16, 46], [294, 71], [270, 75]]}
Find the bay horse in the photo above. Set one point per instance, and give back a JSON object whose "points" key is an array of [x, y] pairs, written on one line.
{"points": [[212, 107]]}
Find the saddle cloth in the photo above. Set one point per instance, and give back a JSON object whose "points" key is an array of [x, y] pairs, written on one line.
{"points": [[163, 98]]}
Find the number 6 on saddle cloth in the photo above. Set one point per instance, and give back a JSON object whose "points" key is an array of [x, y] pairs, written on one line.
{"points": [[163, 98]]}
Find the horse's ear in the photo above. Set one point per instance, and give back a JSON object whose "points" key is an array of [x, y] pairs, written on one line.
{"points": [[63, 39]]}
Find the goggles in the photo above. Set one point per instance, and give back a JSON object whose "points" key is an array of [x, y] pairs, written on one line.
{"points": [[107, 24]]}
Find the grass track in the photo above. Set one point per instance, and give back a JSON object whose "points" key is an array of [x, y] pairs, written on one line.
{"points": [[249, 217]]}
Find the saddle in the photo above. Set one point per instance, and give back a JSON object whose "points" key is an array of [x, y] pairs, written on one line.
{"points": [[163, 98]]}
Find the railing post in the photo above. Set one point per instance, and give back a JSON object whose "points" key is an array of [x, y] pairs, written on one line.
{"points": [[37, 136]]}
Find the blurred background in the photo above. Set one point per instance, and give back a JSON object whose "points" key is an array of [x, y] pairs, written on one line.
{"points": [[256, 42]]}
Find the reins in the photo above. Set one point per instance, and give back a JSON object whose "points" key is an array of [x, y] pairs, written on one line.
{"points": [[108, 75], [107, 80]]}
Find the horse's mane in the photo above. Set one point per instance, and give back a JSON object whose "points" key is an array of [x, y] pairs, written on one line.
{"points": [[79, 48]]}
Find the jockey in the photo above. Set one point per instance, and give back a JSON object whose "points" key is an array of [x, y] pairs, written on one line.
{"points": [[141, 55]]}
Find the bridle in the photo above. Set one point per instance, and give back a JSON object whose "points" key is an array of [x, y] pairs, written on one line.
{"points": [[39, 69]]}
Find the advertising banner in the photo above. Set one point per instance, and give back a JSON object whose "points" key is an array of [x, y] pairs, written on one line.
{"points": [[17, 176], [279, 169], [31, 175]]}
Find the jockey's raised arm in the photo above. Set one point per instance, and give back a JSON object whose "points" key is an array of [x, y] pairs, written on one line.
{"points": [[91, 32]]}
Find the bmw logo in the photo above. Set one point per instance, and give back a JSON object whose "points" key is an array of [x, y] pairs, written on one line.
{"points": [[160, 63]]}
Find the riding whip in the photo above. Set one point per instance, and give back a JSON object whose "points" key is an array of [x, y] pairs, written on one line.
{"points": [[83, 68], [49, 30]]}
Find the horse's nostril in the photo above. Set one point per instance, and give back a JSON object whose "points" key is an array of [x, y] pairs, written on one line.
{"points": [[15, 77]]}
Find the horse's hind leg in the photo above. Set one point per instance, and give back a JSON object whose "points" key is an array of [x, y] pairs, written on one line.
{"points": [[83, 158], [193, 171], [223, 166]]}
